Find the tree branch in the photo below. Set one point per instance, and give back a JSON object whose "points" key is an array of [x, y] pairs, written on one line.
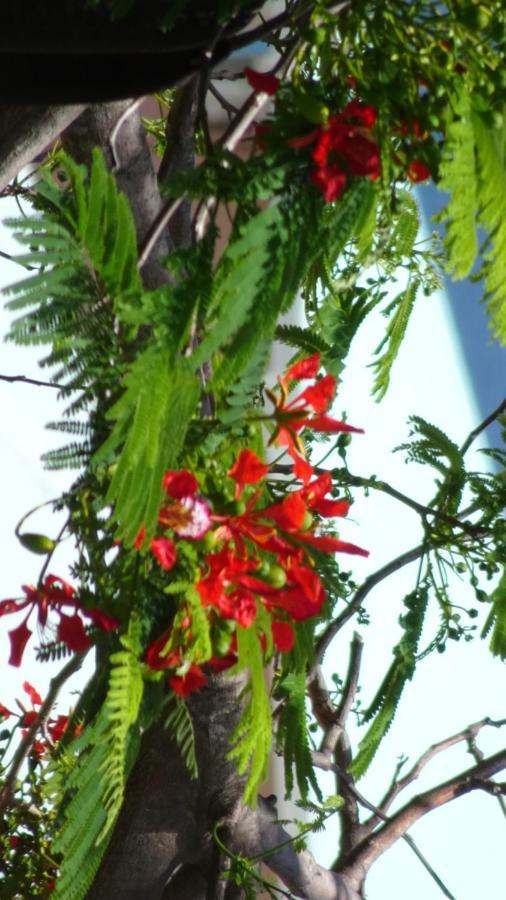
{"points": [[257, 834], [26, 131], [365, 854], [467, 734], [481, 427]]}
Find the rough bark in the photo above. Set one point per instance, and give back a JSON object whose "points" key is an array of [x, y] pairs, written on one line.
{"points": [[26, 131], [164, 829]]}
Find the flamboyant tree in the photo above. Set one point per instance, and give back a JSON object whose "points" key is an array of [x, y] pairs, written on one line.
{"points": [[212, 562]]}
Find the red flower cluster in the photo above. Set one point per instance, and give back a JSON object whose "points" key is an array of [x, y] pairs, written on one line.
{"points": [[264, 555], [183, 513], [55, 594], [307, 410], [343, 148]]}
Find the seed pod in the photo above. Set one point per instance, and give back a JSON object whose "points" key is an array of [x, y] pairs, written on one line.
{"points": [[37, 543]]}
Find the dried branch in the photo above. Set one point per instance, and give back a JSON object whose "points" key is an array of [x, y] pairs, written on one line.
{"points": [[365, 854], [55, 685], [467, 734], [322, 761]]}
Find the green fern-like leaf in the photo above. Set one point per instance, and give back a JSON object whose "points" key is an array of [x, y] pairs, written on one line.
{"points": [[293, 736], [151, 419], [458, 178], [403, 235], [496, 620], [84, 815], [237, 281], [492, 217], [306, 340], [251, 738], [122, 709], [384, 705], [179, 723], [402, 308]]}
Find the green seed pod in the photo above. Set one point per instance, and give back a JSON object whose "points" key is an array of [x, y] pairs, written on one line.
{"points": [[37, 543]]}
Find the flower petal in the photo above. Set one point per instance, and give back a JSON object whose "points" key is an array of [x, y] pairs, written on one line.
{"points": [[101, 619], [180, 484], [186, 684], [262, 82], [247, 469], [32, 693], [164, 550], [71, 632], [283, 636], [18, 638], [304, 368], [332, 426]]}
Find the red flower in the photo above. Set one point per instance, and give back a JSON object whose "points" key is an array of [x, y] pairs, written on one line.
{"points": [[247, 469], [291, 417], [186, 684], [343, 147], [262, 82], [180, 484], [54, 594], [417, 171], [57, 728], [102, 620], [330, 181], [283, 636], [4, 712], [32, 693], [164, 551], [304, 368], [71, 632]]}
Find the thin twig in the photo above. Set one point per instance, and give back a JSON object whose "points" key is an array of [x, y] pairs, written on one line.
{"points": [[56, 683], [229, 108], [479, 756], [481, 427], [25, 380], [385, 488]]}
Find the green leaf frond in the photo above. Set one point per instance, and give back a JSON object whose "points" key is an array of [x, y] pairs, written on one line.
{"points": [[180, 725], [252, 737], [492, 217], [292, 735], [400, 309], [384, 705], [496, 620], [431, 446], [83, 244], [151, 419], [457, 176], [91, 774], [122, 709], [473, 172]]}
